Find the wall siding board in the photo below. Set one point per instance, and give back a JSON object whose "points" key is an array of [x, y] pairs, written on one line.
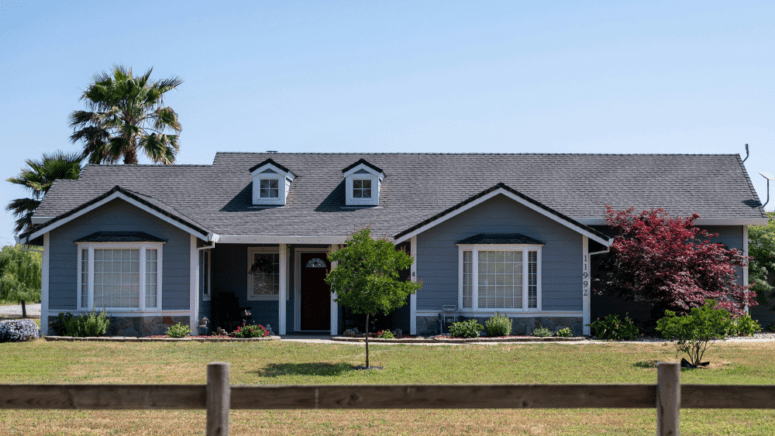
{"points": [[118, 216], [437, 258]]}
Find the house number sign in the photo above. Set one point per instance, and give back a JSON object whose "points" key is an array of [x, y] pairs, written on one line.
{"points": [[585, 275]]}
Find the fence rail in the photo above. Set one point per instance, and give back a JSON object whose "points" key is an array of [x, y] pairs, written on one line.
{"points": [[218, 397]]}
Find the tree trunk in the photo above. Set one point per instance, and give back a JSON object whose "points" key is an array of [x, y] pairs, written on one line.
{"points": [[367, 341], [24, 309], [130, 157]]}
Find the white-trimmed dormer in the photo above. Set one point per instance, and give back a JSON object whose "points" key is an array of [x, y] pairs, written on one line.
{"points": [[362, 184], [271, 183]]}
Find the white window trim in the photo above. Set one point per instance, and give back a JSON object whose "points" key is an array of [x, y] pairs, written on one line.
{"points": [[375, 189], [207, 290], [142, 246], [252, 251], [284, 179], [475, 248]]}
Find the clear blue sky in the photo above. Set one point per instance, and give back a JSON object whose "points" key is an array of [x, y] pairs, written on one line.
{"points": [[432, 76]]}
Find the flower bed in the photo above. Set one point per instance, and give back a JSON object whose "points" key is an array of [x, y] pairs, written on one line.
{"points": [[450, 340], [160, 338]]}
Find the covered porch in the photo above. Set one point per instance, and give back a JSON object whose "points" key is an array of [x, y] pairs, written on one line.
{"points": [[279, 284]]}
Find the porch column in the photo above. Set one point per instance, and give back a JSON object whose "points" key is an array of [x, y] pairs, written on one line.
{"points": [[334, 305], [194, 286], [585, 287], [44, 285], [283, 288], [413, 297]]}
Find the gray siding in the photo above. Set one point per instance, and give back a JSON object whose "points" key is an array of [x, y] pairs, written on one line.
{"points": [[437, 253], [118, 216]]}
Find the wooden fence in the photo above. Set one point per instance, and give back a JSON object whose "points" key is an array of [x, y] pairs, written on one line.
{"points": [[668, 396]]}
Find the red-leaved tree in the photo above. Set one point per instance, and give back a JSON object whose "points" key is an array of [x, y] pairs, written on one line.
{"points": [[670, 263]]}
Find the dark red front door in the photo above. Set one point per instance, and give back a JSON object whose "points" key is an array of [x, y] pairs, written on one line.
{"points": [[315, 293]]}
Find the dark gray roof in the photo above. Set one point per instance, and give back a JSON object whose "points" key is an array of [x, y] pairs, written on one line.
{"points": [[217, 197], [500, 238], [120, 237]]}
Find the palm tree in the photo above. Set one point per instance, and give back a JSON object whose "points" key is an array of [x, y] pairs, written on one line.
{"points": [[37, 177], [127, 113]]}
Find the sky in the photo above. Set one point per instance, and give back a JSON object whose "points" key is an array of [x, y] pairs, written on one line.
{"points": [[394, 76]]}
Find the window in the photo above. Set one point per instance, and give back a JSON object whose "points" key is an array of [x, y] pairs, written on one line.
{"points": [[361, 188], [269, 188], [119, 276], [263, 274], [204, 274], [500, 277]]}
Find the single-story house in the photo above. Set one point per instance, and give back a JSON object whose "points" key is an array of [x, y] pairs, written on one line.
{"points": [[507, 233]]}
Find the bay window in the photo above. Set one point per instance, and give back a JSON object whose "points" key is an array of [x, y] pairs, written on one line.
{"points": [[500, 277], [120, 276]]}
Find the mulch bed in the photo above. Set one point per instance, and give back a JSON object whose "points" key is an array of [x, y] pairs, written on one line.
{"points": [[451, 340], [159, 338]]}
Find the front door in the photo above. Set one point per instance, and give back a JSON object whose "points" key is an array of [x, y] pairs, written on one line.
{"points": [[315, 293]]}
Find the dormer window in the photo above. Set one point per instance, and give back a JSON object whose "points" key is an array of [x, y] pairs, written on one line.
{"points": [[271, 183], [269, 188], [362, 184], [361, 188]]}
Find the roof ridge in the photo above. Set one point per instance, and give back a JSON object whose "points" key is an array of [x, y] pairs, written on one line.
{"points": [[312, 153]]}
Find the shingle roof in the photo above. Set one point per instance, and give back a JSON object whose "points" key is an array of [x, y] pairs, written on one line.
{"points": [[120, 237], [419, 186]]}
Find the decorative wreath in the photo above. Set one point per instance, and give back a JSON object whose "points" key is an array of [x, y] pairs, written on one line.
{"points": [[263, 264]]}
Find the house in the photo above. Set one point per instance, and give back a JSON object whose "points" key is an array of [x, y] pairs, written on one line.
{"points": [[512, 233]]}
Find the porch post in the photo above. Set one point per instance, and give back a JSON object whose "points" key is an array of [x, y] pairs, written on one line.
{"points": [[585, 287], [413, 297], [44, 284], [745, 268], [334, 305], [194, 290], [283, 288]]}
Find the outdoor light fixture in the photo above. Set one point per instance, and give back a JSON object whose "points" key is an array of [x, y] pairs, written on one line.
{"points": [[769, 177]]}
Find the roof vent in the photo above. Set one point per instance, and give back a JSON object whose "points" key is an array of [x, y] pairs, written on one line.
{"points": [[271, 151]]}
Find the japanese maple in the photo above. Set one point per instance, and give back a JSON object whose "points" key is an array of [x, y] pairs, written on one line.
{"points": [[672, 264]]}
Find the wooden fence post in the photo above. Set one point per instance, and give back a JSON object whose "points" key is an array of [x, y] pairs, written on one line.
{"points": [[218, 399], [668, 398]]}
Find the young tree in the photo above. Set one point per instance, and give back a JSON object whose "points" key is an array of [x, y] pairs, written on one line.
{"points": [[366, 278], [37, 177], [761, 249], [671, 264], [20, 275], [127, 114], [695, 331]]}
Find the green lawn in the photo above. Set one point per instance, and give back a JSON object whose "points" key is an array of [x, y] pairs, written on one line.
{"points": [[295, 363]]}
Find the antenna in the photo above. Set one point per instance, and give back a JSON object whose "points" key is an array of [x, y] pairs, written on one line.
{"points": [[769, 177], [746, 153]]}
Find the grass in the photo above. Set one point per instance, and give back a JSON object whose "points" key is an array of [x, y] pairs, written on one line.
{"points": [[298, 363]]}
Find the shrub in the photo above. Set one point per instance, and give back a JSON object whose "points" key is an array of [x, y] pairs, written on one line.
{"points": [[771, 327], [251, 331], [542, 332], [91, 324], [693, 332], [18, 330], [465, 329], [565, 333], [178, 330], [385, 334], [498, 325], [745, 326], [614, 328]]}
